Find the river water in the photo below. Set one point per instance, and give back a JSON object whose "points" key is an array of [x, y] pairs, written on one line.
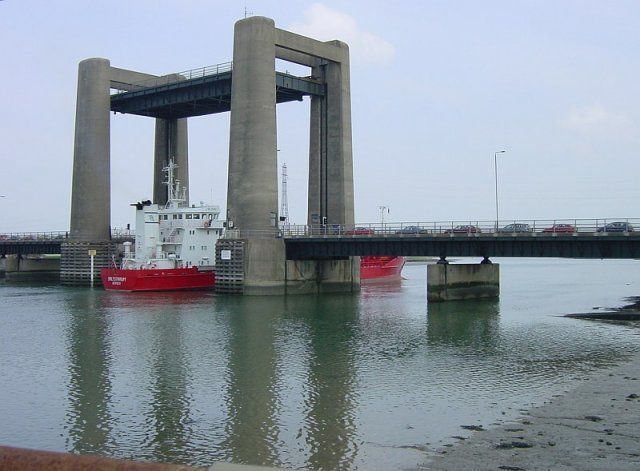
{"points": [[368, 381]]}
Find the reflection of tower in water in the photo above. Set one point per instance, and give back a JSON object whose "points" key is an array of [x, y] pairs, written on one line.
{"points": [[89, 390], [251, 429], [330, 416], [170, 404], [267, 363]]}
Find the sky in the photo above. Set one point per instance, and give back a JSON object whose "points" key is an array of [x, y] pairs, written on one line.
{"points": [[436, 88]]}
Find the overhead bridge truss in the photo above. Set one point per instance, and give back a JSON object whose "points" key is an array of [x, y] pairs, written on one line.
{"points": [[184, 97]]}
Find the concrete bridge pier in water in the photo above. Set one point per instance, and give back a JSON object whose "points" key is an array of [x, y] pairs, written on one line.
{"points": [[451, 282]]}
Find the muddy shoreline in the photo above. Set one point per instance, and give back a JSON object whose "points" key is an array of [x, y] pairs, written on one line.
{"points": [[594, 426], [628, 312]]}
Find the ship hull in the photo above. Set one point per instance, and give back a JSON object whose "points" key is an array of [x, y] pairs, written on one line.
{"points": [[157, 279], [381, 268]]}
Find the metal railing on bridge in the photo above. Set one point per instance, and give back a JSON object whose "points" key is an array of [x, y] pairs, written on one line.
{"points": [[478, 228], [180, 76], [57, 235]]}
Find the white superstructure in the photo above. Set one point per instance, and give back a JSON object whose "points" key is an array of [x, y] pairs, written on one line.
{"points": [[174, 235]]}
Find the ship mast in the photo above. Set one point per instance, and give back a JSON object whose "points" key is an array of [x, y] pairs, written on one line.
{"points": [[176, 195], [284, 207], [383, 209]]}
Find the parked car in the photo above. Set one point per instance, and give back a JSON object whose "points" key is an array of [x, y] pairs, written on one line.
{"points": [[465, 229], [515, 228], [360, 231], [560, 229], [412, 230], [616, 227]]}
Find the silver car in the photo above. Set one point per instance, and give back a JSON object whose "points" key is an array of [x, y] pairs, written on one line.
{"points": [[515, 228]]}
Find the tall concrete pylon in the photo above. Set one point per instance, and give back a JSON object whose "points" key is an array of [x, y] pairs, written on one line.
{"points": [[90, 224], [252, 192], [90, 194], [252, 197]]}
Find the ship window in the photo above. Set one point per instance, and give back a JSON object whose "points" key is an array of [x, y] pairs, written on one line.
{"points": [[196, 216], [189, 216], [215, 216], [179, 216], [175, 216]]}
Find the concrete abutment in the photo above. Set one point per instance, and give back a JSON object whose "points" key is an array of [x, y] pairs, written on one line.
{"points": [[449, 282], [258, 267]]}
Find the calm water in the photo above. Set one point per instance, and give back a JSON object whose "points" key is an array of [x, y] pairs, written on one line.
{"points": [[322, 382]]}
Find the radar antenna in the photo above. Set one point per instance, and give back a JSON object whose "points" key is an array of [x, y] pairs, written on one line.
{"points": [[284, 207]]}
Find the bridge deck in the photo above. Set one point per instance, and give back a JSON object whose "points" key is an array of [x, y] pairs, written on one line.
{"points": [[201, 95], [594, 245]]}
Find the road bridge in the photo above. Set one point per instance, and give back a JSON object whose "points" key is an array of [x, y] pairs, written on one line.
{"points": [[570, 238], [46, 243]]}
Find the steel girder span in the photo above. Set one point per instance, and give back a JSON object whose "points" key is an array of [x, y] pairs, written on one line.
{"points": [[204, 95], [588, 246]]}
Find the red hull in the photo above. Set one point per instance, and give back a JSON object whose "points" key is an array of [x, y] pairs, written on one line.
{"points": [[381, 268], [157, 280]]}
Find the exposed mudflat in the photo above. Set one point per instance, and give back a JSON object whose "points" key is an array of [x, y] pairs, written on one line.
{"points": [[595, 426], [629, 312]]}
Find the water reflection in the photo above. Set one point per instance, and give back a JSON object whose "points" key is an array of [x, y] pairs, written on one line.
{"points": [[252, 377], [170, 401], [88, 343], [466, 325], [331, 400], [291, 381], [313, 382]]}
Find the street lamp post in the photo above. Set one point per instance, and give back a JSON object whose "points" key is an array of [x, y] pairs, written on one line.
{"points": [[495, 168]]}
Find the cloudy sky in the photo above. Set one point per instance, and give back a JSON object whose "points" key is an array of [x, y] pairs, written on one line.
{"points": [[437, 88]]}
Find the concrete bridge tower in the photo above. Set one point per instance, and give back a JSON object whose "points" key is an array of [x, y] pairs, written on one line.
{"points": [[252, 198], [257, 264], [90, 225]]}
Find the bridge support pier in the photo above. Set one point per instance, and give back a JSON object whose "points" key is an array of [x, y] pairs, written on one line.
{"points": [[449, 282], [75, 261], [32, 268], [259, 267]]}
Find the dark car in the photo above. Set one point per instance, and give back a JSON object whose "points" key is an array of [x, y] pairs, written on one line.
{"points": [[560, 229], [515, 228], [412, 230], [360, 231], [616, 227], [466, 229]]}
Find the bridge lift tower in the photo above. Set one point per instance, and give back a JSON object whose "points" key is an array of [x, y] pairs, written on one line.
{"points": [[249, 89]]}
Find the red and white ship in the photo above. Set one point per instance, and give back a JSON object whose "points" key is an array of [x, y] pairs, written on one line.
{"points": [[174, 247]]}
